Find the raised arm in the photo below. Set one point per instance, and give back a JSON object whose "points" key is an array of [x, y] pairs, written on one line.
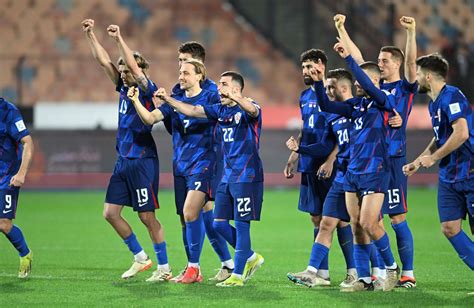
{"points": [[19, 178], [343, 108], [380, 98], [147, 117], [320, 149], [127, 54], [98, 52], [410, 50], [345, 39], [186, 109]]}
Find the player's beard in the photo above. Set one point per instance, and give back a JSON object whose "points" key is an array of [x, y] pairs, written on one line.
{"points": [[308, 80], [360, 92], [423, 89]]}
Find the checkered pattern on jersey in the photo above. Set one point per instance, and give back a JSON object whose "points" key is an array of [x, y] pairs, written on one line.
{"points": [[368, 137], [340, 130], [12, 130], [315, 130], [134, 139], [192, 137], [240, 142], [449, 106], [404, 93]]}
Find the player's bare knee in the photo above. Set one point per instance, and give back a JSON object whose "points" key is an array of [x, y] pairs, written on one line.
{"points": [[327, 225], [316, 220], [450, 229], [148, 219], [6, 225], [190, 215], [208, 206], [396, 219], [110, 215], [369, 226], [342, 224]]}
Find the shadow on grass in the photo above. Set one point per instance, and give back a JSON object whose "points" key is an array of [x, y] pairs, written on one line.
{"points": [[205, 292]]}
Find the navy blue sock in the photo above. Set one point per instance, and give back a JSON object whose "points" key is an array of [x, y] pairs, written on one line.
{"points": [[361, 258], [226, 230], [380, 259], [18, 241], [218, 242], [194, 230], [346, 241], [161, 255], [242, 249], [383, 247], [319, 252], [374, 260], [185, 241], [464, 247], [133, 244], [404, 244], [325, 262]]}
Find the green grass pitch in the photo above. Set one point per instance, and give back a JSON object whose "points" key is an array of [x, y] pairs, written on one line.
{"points": [[78, 259]]}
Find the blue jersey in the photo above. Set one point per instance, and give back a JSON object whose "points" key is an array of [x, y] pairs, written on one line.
{"points": [[315, 130], [404, 92], [369, 132], [368, 137], [341, 128], [134, 139], [240, 143], [449, 106], [12, 130], [192, 137], [208, 84]]}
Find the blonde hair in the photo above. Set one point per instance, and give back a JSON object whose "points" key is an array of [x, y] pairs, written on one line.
{"points": [[199, 68], [141, 61]]}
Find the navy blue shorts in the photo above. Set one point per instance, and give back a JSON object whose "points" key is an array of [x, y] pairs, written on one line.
{"points": [[335, 203], [366, 184], [395, 201], [134, 183], [239, 201], [183, 184], [455, 200], [9, 202], [313, 192]]}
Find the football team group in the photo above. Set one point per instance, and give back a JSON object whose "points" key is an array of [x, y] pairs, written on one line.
{"points": [[351, 153]]}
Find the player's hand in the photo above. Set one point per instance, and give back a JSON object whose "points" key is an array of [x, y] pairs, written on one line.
{"points": [[395, 121], [114, 31], [87, 25], [133, 93], [339, 21], [225, 93], [325, 170], [411, 168], [340, 49], [427, 161], [317, 72], [161, 94], [289, 170], [408, 22], [17, 180], [292, 144]]}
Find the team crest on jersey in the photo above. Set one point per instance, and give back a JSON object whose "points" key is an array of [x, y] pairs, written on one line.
{"points": [[237, 117]]}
